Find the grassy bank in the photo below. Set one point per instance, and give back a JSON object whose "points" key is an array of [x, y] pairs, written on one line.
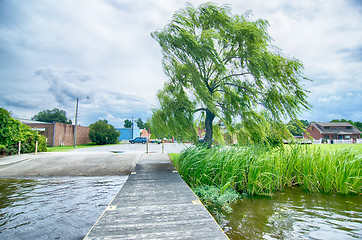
{"points": [[356, 147], [70, 148], [258, 170]]}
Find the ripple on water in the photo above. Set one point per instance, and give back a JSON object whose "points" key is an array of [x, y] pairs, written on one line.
{"points": [[54, 208], [294, 214]]}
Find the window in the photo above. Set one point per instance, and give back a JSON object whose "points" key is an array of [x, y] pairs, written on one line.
{"points": [[327, 127], [326, 136], [349, 127], [347, 137]]}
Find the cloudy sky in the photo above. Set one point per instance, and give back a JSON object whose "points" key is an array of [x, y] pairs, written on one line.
{"points": [[52, 52]]}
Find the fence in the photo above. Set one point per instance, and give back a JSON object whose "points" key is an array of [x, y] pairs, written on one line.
{"points": [[337, 141], [343, 141]]}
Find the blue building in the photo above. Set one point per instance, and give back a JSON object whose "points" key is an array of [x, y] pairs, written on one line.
{"points": [[129, 133]]}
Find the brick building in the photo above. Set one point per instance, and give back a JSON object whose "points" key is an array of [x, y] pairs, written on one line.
{"points": [[58, 134], [332, 130]]}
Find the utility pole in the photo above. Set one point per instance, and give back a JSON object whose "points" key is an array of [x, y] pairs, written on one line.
{"points": [[75, 126], [132, 128]]}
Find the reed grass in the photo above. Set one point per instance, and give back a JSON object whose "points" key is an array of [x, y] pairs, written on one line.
{"points": [[256, 170]]}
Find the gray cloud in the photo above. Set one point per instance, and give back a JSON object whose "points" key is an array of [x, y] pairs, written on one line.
{"points": [[352, 54], [15, 101], [65, 85]]}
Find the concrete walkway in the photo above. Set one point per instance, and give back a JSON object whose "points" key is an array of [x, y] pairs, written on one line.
{"points": [[155, 203], [9, 160]]}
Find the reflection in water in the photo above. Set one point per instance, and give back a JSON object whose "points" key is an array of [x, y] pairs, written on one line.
{"points": [[294, 214], [54, 208]]}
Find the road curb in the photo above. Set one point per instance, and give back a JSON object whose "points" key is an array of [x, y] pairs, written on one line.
{"points": [[7, 161]]}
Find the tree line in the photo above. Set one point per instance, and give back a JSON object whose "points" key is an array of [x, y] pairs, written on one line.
{"points": [[100, 132], [58, 115], [139, 122]]}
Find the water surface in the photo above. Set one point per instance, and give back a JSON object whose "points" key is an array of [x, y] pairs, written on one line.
{"points": [[54, 208], [295, 214]]}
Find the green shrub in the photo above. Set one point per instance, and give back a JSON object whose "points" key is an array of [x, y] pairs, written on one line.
{"points": [[2, 150], [12, 132], [216, 198], [101, 133]]}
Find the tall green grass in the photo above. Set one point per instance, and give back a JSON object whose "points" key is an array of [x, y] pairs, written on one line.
{"points": [[258, 170]]}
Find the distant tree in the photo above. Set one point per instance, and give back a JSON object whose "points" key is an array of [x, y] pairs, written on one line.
{"points": [[147, 126], [224, 66], [142, 125], [127, 123], [358, 125], [54, 115], [102, 133], [297, 127], [343, 120], [139, 123]]}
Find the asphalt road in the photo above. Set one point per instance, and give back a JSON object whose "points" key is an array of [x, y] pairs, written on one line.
{"points": [[97, 161]]}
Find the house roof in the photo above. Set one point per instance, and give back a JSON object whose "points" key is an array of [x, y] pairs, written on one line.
{"points": [[336, 128], [334, 124], [27, 121]]}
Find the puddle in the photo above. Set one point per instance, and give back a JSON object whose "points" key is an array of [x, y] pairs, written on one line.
{"points": [[118, 151]]}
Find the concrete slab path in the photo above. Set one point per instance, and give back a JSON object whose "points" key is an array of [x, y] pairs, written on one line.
{"points": [[155, 203]]}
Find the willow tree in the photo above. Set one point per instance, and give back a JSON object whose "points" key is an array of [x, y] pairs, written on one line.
{"points": [[224, 66]]}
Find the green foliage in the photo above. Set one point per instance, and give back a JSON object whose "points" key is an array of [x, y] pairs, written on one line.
{"points": [[102, 133], [12, 131], [142, 125], [146, 126], [176, 120], [225, 66], [139, 123], [263, 130], [358, 125], [297, 127], [216, 198], [127, 123], [262, 171], [54, 115], [2, 150]]}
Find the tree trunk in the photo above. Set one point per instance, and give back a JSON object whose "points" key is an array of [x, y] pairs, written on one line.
{"points": [[208, 127]]}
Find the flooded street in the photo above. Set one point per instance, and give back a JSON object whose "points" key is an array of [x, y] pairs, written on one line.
{"points": [[54, 208], [61, 195], [66, 207], [295, 214]]}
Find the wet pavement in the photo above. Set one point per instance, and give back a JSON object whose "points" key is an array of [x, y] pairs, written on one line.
{"points": [[112, 160], [72, 164]]}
